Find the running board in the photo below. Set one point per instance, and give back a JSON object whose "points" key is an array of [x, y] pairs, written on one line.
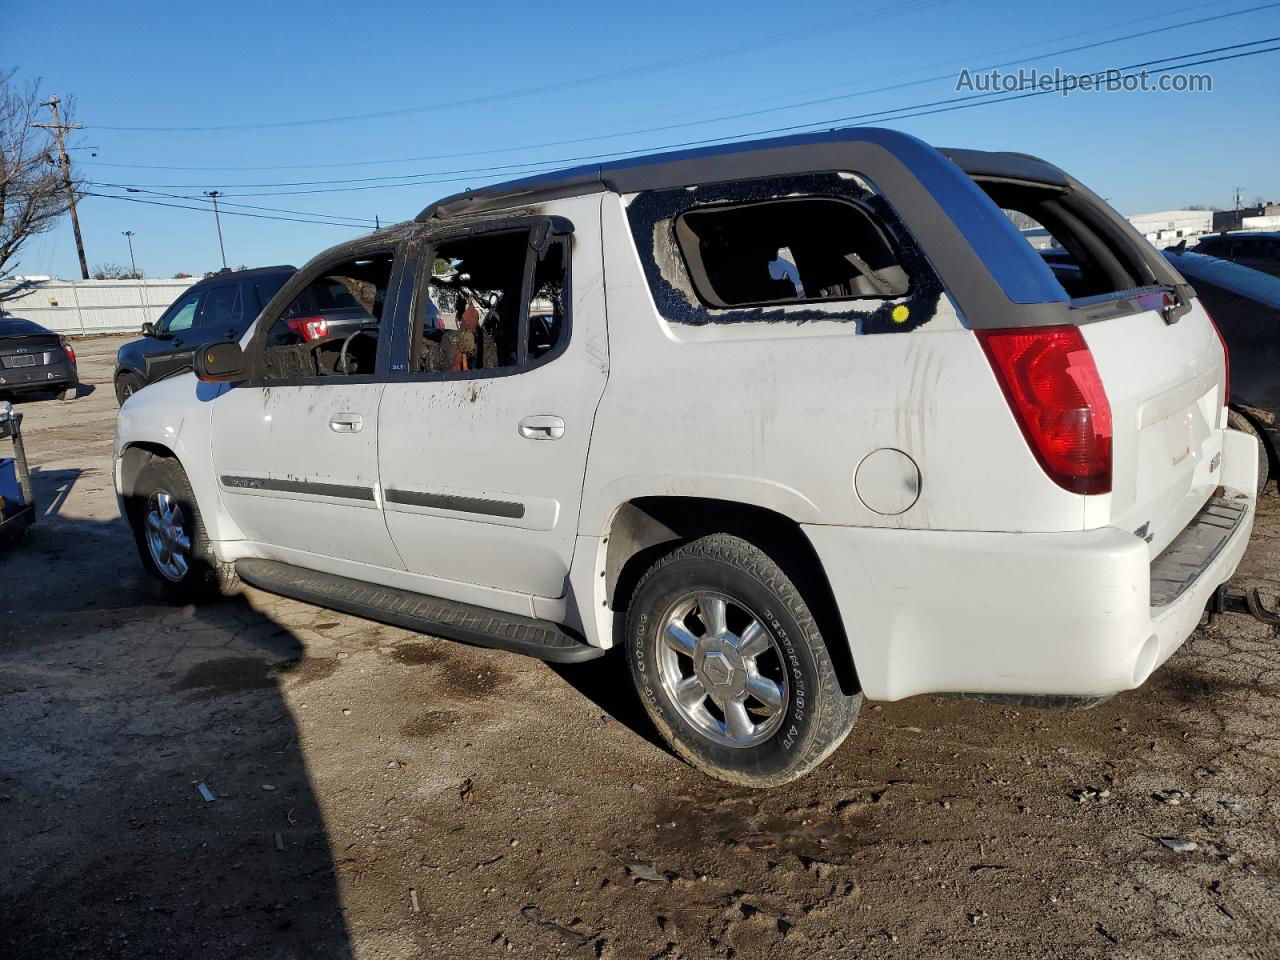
{"points": [[415, 611]]}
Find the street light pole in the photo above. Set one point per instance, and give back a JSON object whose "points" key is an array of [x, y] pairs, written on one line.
{"points": [[142, 295], [214, 195]]}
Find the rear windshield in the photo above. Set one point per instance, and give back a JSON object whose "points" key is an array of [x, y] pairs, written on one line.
{"points": [[1085, 253]]}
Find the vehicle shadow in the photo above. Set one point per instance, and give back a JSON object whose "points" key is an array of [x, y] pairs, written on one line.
{"points": [[154, 797], [606, 682], [24, 398]]}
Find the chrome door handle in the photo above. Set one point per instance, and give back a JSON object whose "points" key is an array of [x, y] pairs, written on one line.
{"points": [[346, 423], [541, 428]]}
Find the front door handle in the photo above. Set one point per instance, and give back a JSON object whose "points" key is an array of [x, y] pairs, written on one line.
{"points": [[346, 423], [541, 428]]}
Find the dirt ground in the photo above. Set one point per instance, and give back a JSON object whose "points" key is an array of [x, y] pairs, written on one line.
{"points": [[379, 794]]}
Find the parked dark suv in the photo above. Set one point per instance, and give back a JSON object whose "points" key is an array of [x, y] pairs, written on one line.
{"points": [[220, 307]]}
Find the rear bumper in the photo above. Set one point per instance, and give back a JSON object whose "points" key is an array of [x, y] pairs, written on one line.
{"points": [[1066, 614], [27, 379]]}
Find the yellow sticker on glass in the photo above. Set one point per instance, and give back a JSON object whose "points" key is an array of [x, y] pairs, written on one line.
{"points": [[901, 313]]}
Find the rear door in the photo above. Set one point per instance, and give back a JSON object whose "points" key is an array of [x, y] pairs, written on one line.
{"points": [[483, 440]]}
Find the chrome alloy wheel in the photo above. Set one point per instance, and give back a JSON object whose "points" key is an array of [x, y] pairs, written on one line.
{"points": [[723, 669], [168, 539]]}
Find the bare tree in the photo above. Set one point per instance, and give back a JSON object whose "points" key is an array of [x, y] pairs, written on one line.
{"points": [[113, 271], [32, 195]]}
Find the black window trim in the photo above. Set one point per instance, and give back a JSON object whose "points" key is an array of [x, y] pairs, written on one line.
{"points": [[697, 272], [542, 232], [401, 254]]}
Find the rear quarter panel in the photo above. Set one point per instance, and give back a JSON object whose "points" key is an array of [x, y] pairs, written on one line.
{"points": [[780, 415]]}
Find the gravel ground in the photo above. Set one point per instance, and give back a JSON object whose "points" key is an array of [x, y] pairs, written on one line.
{"points": [[380, 794]]}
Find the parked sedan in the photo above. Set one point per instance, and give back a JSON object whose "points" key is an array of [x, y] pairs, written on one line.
{"points": [[220, 307], [35, 360]]}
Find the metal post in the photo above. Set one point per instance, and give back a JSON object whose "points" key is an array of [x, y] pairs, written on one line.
{"points": [[146, 309], [214, 195], [76, 297]]}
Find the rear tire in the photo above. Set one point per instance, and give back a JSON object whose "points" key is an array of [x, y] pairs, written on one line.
{"points": [[1238, 421], [731, 667], [127, 384], [170, 533]]}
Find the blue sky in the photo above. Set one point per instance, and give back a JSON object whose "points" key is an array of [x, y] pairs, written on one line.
{"points": [[616, 70]]}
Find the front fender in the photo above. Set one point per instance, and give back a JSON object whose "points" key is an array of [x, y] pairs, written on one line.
{"points": [[175, 416]]}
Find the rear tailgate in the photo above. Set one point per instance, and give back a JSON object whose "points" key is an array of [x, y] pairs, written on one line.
{"points": [[1165, 383]]}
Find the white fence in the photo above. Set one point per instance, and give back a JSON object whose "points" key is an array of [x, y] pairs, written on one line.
{"points": [[95, 306]]}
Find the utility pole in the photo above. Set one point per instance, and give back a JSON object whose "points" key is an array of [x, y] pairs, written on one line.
{"points": [[59, 128], [214, 195], [128, 235]]}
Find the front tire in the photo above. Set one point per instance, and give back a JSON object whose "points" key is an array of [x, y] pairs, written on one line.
{"points": [[731, 666], [127, 384], [169, 531]]}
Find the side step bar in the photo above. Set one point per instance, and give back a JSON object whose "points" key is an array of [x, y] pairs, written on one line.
{"points": [[416, 611]]}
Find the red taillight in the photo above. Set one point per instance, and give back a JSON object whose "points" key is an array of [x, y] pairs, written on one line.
{"points": [[66, 348], [309, 328], [1052, 385], [1226, 363]]}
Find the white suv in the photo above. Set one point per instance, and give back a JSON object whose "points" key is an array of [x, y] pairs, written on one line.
{"points": [[792, 421]]}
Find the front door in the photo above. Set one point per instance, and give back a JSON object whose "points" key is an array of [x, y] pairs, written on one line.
{"points": [[483, 442], [177, 336], [296, 447]]}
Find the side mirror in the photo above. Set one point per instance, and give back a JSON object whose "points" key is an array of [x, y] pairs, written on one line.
{"points": [[219, 362], [149, 329]]}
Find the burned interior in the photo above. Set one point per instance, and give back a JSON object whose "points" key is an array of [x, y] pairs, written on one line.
{"points": [[495, 300], [331, 328], [789, 249]]}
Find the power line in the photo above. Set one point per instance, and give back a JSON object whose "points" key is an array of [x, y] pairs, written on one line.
{"points": [[672, 126], [926, 108], [228, 213], [228, 203], [749, 46]]}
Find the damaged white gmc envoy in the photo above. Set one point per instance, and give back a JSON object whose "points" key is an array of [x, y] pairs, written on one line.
{"points": [[792, 422]]}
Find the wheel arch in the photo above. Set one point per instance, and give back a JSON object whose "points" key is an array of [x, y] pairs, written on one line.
{"points": [[133, 458], [643, 529]]}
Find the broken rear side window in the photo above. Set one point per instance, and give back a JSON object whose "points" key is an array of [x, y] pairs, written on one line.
{"points": [[1076, 244], [794, 249], [791, 250]]}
